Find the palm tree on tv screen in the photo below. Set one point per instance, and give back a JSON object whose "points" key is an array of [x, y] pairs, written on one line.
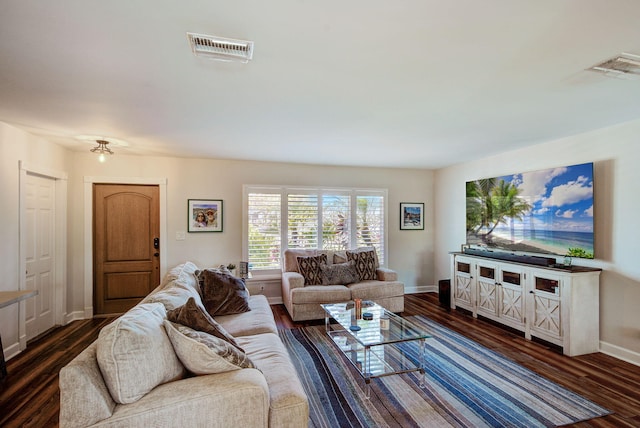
{"points": [[491, 202]]}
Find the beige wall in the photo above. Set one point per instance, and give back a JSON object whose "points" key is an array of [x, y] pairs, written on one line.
{"points": [[410, 252], [616, 155]]}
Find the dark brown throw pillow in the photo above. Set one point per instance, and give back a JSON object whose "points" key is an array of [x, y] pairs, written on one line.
{"points": [[365, 263], [194, 316], [309, 268], [222, 293]]}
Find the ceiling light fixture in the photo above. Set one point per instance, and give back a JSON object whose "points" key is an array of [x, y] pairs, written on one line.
{"points": [[221, 48], [101, 149]]}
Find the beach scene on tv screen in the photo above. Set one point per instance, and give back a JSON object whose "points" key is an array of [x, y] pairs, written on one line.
{"points": [[548, 211]]}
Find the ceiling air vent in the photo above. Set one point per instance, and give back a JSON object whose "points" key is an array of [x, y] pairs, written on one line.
{"points": [[623, 66], [220, 48]]}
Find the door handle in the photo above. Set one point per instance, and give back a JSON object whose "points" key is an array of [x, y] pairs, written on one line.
{"points": [[156, 254]]}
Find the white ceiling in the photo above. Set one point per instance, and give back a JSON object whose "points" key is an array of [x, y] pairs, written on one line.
{"points": [[407, 83]]}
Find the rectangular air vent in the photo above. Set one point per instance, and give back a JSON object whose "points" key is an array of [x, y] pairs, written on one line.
{"points": [[220, 48], [624, 66]]}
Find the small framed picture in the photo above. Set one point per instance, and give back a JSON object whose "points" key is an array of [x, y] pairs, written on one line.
{"points": [[205, 215], [411, 215]]}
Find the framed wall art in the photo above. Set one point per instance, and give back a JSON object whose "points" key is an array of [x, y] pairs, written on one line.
{"points": [[411, 215], [205, 215]]}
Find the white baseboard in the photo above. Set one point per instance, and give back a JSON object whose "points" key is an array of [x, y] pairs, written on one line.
{"points": [[11, 351], [620, 353], [420, 289], [275, 300], [74, 316]]}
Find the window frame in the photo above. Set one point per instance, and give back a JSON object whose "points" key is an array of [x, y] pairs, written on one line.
{"points": [[320, 191]]}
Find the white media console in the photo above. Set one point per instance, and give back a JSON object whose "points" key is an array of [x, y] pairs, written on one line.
{"points": [[558, 305]]}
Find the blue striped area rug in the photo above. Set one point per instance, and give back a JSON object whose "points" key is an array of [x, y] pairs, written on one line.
{"points": [[467, 385]]}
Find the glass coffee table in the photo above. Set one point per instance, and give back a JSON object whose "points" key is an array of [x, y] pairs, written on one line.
{"points": [[372, 345]]}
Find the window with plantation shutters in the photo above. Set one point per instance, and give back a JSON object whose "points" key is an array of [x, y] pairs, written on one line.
{"points": [[302, 220], [291, 217], [370, 222], [264, 230], [336, 222]]}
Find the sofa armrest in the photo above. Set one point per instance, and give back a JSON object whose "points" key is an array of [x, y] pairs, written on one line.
{"points": [[84, 397], [384, 274], [291, 280], [235, 398]]}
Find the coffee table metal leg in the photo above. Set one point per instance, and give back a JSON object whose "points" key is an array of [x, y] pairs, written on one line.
{"points": [[422, 365], [366, 370]]}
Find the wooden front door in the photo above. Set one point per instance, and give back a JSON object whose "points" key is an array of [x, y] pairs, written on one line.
{"points": [[126, 249]]}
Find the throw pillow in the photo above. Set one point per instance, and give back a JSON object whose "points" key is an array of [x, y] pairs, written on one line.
{"points": [[365, 262], [309, 268], [196, 317], [135, 355], [202, 353], [223, 294], [365, 249], [340, 257], [340, 274]]}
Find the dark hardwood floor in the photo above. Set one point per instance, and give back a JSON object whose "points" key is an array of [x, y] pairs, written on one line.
{"points": [[29, 397]]}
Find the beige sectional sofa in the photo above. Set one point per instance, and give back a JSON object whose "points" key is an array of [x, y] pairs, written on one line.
{"points": [[303, 301], [159, 392]]}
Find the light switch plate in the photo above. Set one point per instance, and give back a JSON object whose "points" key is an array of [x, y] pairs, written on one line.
{"points": [[181, 236]]}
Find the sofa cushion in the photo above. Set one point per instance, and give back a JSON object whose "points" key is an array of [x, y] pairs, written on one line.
{"points": [[135, 354], [365, 262], [375, 290], [318, 294], [287, 399], [196, 317], [339, 274], [258, 320], [177, 286], [309, 268], [223, 294], [340, 257], [202, 353], [180, 271], [173, 295]]}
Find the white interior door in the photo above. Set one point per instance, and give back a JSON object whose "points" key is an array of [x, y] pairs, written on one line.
{"points": [[40, 253]]}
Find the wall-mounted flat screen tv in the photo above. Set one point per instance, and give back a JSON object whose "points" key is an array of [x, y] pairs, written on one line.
{"points": [[548, 211]]}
